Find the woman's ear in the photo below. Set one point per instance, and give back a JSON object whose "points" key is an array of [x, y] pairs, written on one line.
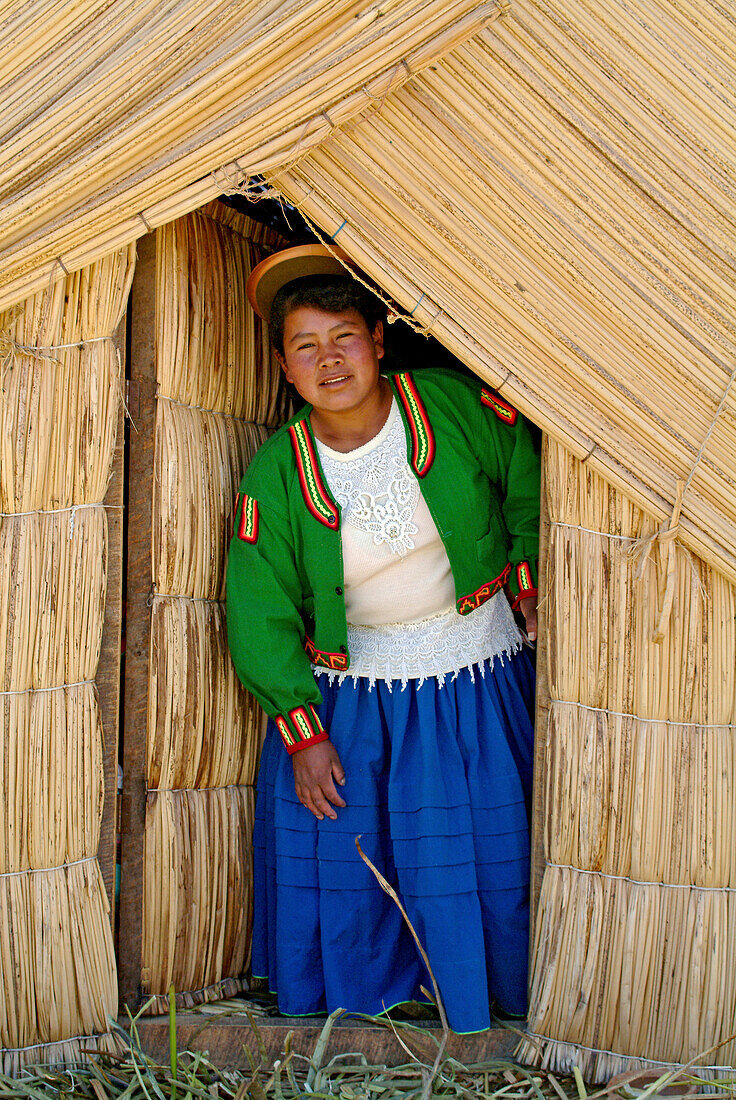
{"points": [[377, 335], [282, 363]]}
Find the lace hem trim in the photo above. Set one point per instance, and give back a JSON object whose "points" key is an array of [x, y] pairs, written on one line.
{"points": [[438, 647]]}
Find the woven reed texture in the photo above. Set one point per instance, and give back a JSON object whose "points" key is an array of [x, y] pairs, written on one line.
{"points": [[554, 201], [220, 395], [635, 945], [121, 117], [58, 419]]}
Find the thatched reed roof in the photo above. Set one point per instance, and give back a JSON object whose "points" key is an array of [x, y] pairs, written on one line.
{"points": [[554, 196]]}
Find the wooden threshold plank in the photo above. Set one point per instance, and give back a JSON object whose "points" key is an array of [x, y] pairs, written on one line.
{"points": [[227, 1039]]}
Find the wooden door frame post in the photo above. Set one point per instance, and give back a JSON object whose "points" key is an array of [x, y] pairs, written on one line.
{"points": [[142, 407]]}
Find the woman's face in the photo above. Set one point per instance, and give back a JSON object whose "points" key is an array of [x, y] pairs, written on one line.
{"points": [[331, 358]]}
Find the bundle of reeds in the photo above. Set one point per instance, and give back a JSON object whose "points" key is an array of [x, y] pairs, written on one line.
{"points": [[141, 149], [214, 351], [636, 928], [58, 418], [52, 595], [198, 893], [51, 777], [200, 459], [219, 396], [203, 727]]}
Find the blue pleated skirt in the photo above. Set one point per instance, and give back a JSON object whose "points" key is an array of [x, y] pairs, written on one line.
{"points": [[438, 787]]}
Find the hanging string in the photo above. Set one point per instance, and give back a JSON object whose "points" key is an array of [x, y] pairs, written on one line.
{"points": [[645, 721], [37, 691], [47, 870], [531, 1035], [643, 882]]}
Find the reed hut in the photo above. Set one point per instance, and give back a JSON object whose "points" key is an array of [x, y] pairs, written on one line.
{"points": [[547, 189]]}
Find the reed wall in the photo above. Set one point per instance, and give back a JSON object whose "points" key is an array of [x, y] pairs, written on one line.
{"points": [[635, 946], [61, 382], [219, 395], [554, 201]]}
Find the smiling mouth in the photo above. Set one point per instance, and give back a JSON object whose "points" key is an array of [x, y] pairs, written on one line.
{"points": [[335, 381]]}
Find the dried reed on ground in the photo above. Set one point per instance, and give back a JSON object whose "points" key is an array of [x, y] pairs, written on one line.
{"points": [[219, 396], [636, 933], [58, 419]]}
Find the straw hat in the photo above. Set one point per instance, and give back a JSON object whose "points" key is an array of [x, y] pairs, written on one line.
{"points": [[265, 280]]}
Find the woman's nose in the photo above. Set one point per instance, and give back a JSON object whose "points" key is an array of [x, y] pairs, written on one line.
{"points": [[331, 354]]}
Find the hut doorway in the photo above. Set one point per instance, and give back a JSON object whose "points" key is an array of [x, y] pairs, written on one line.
{"points": [[191, 734]]}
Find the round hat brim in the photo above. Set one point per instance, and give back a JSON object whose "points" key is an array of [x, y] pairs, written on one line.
{"points": [[267, 279]]}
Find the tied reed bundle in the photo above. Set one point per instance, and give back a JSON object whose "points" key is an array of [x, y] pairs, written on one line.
{"points": [[204, 729], [51, 777], [56, 958], [200, 459], [214, 351], [198, 890], [636, 930], [219, 396], [52, 596], [58, 416], [61, 381]]}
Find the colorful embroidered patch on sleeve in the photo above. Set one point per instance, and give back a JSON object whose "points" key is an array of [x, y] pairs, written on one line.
{"points": [[248, 526], [524, 578], [501, 408], [315, 493], [336, 662], [473, 600], [422, 436], [300, 729]]}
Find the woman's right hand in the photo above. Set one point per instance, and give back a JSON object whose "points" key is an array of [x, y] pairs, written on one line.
{"points": [[316, 770]]}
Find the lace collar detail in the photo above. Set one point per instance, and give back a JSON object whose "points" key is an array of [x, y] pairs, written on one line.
{"points": [[375, 487]]}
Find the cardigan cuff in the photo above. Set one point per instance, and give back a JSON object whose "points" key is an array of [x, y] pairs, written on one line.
{"points": [[523, 581], [300, 728]]}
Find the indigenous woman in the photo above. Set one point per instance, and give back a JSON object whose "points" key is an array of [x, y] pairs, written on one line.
{"points": [[376, 536]]}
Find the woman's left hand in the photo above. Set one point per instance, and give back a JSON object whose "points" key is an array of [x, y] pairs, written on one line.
{"points": [[528, 608]]}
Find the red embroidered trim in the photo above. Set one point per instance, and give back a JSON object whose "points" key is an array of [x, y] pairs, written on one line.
{"points": [[422, 437], [248, 526], [337, 662], [317, 722], [302, 723], [524, 577], [501, 408], [286, 735], [316, 497], [469, 603]]}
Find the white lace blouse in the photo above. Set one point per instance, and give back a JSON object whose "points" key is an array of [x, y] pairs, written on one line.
{"points": [[399, 591]]}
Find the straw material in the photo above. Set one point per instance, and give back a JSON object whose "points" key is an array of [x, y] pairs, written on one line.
{"points": [[204, 728], [56, 956], [58, 420], [200, 458], [198, 888], [219, 394], [636, 928], [554, 201], [118, 118], [52, 595]]}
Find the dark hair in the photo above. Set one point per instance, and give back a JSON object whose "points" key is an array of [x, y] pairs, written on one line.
{"points": [[330, 293]]}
